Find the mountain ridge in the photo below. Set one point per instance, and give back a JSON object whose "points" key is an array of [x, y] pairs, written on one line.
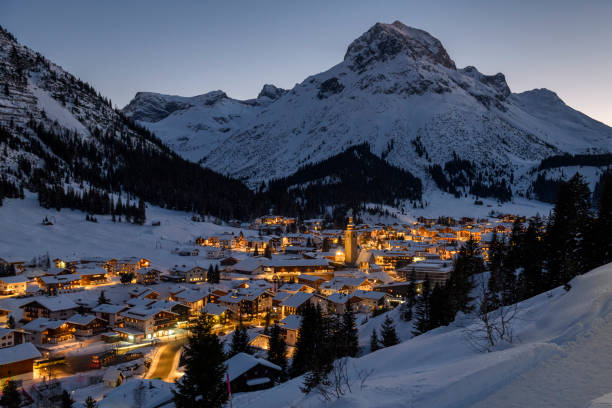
{"points": [[395, 89]]}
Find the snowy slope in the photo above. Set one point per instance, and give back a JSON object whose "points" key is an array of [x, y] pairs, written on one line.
{"points": [[561, 360], [395, 89]]}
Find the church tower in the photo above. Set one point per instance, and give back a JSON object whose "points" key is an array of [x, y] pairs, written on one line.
{"points": [[350, 244]]}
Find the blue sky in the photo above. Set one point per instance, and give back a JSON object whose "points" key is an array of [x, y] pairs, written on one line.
{"points": [[192, 47]]}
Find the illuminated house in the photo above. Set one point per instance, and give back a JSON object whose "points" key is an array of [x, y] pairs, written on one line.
{"points": [[48, 331], [247, 301], [13, 285], [87, 325], [147, 276], [56, 307], [92, 275]]}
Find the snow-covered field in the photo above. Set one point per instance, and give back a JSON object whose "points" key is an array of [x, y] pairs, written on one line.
{"points": [[561, 359], [23, 236]]}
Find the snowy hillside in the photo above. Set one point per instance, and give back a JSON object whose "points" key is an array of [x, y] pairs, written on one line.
{"points": [[396, 89], [561, 359]]}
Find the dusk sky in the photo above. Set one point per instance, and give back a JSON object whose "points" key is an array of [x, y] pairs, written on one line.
{"points": [[192, 47]]}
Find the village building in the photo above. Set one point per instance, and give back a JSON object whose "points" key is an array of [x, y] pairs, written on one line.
{"points": [[147, 276], [13, 285], [247, 301], [10, 337], [48, 331], [248, 373], [363, 301], [87, 325], [110, 313], [437, 272], [92, 275], [48, 307], [310, 280], [217, 313], [18, 360]]}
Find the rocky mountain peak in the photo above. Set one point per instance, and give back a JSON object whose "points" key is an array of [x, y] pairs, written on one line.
{"points": [[386, 41], [272, 92]]}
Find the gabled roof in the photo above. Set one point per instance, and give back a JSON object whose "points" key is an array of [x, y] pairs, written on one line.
{"points": [[14, 279], [214, 309], [42, 323], [107, 308], [338, 298], [82, 320], [291, 322], [297, 300], [20, 352], [367, 294], [54, 304], [243, 362]]}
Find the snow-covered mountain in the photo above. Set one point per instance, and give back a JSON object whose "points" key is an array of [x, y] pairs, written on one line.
{"points": [[396, 89], [57, 135]]}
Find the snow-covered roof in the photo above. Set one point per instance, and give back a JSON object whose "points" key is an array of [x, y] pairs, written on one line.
{"points": [[42, 323], [249, 264], [81, 320], [368, 294], [311, 278], [155, 393], [14, 279], [291, 322], [108, 308], [20, 352], [243, 362], [54, 303], [297, 299], [214, 309], [338, 298]]}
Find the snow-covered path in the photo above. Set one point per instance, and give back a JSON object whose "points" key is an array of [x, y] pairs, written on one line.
{"points": [[581, 373]]}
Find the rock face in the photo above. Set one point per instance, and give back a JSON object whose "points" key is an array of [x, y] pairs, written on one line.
{"points": [[397, 90]]}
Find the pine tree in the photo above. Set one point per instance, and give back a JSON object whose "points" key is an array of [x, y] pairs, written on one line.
{"points": [[267, 319], [66, 401], [603, 243], [11, 397], [203, 384], [374, 341], [256, 251], [10, 323], [211, 274], [468, 263], [102, 299], [267, 252], [349, 335], [240, 340], [277, 349], [388, 333], [309, 346], [567, 234], [423, 310], [90, 402]]}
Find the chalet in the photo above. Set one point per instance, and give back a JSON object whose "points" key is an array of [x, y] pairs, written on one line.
{"points": [[217, 313], [290, 326], [297, 302], [194, 299], [13, 285], [247, 301], [249, 266], [110, 313], [437, 272], [279, 298], [288, 268], [92, 275], [337, 302], [363, 301], [346, 285], [194, 274], [87, 325], [48, 307], [4, 314], [310, 280], [17, 360], [399, 289], [10, 337], [59, 283], [147, 276], [249, 373], [48, 331], [146, 322], [126, 265], [187, 251]]}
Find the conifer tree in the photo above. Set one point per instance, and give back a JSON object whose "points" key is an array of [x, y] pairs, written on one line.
{"points": [[423, 310], [349, 335], [277, 350], [374, 341], [66, 400], [603, 243], [10, 323], [388, 333], [240, 340], [90, 402], [203, 384], [11, 397], [211, 274], [102, 299]]}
